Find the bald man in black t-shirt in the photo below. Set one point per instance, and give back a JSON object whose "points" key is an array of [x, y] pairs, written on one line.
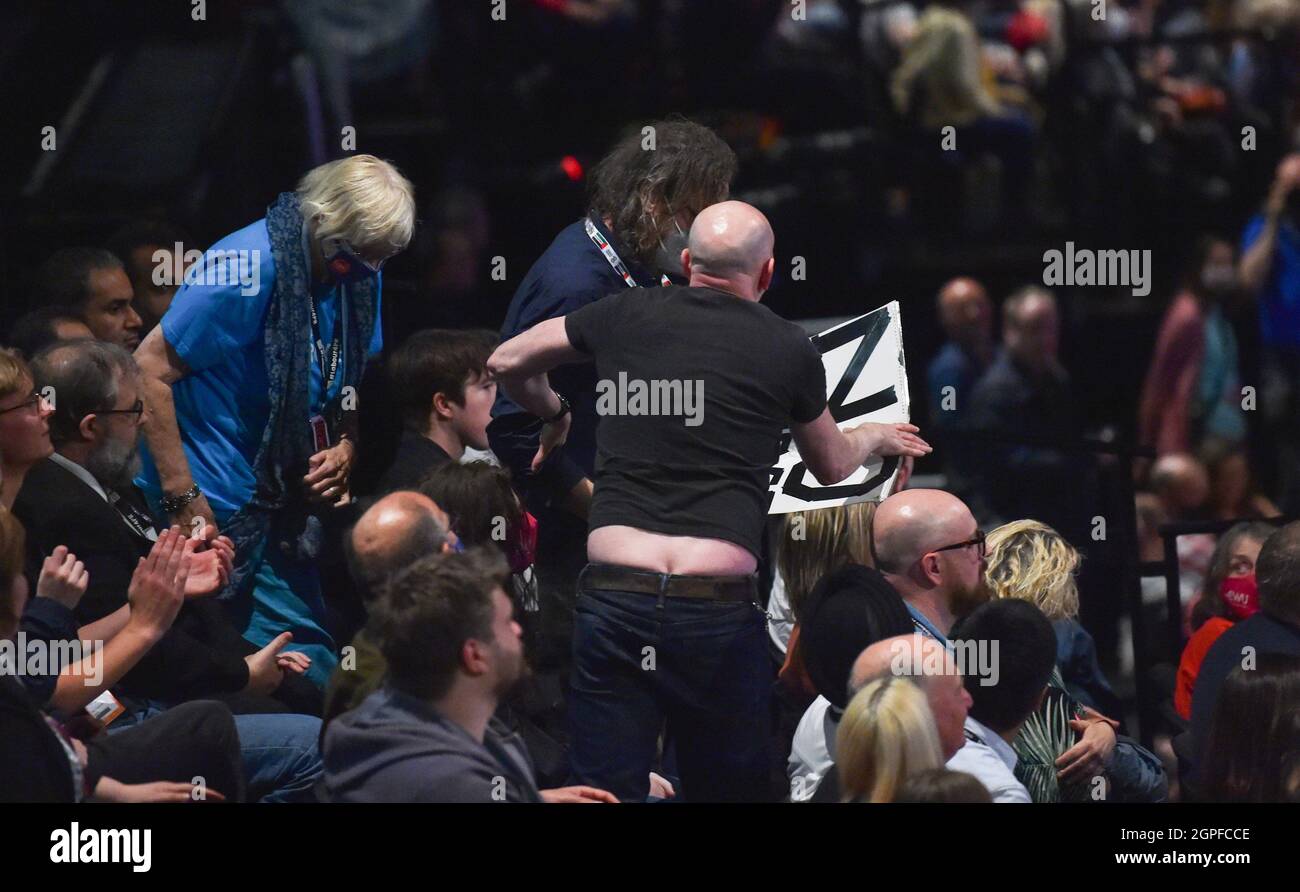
{"points": [[696, 385]]}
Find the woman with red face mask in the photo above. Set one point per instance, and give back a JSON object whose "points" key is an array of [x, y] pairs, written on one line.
{"points": [[1229, 595]]}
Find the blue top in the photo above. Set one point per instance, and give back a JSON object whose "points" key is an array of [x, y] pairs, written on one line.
{"points": [[922, 624], [951, 367], [216, 325], [1279, 299]]}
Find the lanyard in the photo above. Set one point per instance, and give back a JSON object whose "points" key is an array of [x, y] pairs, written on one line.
{"points": [[328, 371], [612, 256], [329, 368], [136, 519]]}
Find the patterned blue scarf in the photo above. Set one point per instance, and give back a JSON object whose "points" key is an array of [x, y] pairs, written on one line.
{"points": [[278, 515]]}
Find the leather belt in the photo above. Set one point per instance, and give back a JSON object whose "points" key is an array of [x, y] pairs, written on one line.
{"points": [[611, 577]]}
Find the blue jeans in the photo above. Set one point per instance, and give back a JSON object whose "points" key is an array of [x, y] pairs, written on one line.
{"points": [[702, 666], [280, 752]]}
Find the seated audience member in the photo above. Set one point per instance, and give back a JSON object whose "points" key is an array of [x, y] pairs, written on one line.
{"points": [[929, 548], [810, 545], [1026, 658], [394, 533], [1026, 392], [1230, 595], [1233, 495], [147, 249], [440, 383], [929, 665], [483, 509], [155, 761], [61, 579], [849, 610], [1031, 561], [446, 629], [966, 314], [38, 329], [1252, 753], [93, 284], [82, 497], [1182, 486], [887, 735], [942, 785], [1275, 628], [24, 425]]}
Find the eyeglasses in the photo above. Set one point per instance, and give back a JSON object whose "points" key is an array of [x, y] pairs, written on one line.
{"points": [[978, 539], [137, 409], [30, 403]]}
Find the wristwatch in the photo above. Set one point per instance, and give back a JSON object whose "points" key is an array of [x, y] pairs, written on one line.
{"points": [[565, 408], [172, 504]]}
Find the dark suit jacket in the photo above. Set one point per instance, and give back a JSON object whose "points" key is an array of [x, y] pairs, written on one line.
{"points": [[200, 656]]}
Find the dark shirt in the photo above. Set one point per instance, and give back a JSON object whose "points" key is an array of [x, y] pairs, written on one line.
{"points": [[416, 456], [34, 766], [951, 367], [397, 748], [47, 621], [200, 655], [1265, 634], [569, 275], [753, 374], [1076, 655], [1010, 479]]}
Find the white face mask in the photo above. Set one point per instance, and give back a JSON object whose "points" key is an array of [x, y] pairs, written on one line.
{"points": [[669, 256]]}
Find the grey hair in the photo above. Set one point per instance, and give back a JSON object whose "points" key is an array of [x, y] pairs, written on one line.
{"points": [[85, 376]]}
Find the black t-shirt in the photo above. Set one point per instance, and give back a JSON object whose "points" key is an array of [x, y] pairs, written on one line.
{"points": [[725, 376]]}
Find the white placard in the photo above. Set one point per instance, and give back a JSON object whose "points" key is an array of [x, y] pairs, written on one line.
{"points": [[866, 380]]}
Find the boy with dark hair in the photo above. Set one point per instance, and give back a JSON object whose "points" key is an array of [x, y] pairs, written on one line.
{"points": [[444, 397], [1023, 646]]}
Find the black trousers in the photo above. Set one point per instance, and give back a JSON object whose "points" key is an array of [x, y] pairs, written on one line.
{"points": [[195, 739]]}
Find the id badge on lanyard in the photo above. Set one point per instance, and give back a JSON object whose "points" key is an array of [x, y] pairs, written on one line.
{"points": [[329, 362], [611, 256]]}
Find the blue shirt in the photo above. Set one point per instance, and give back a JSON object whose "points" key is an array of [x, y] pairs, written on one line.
{"points": [[1279, 299], [923, 626], [222, 406], [570, 274], [951, 367]]}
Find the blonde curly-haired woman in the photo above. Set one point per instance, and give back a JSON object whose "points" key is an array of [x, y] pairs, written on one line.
{"points": [[1029, 560]]}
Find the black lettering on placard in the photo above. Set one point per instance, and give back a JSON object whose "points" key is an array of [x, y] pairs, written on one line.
{"points": [[797, 489], [870, 328]]}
